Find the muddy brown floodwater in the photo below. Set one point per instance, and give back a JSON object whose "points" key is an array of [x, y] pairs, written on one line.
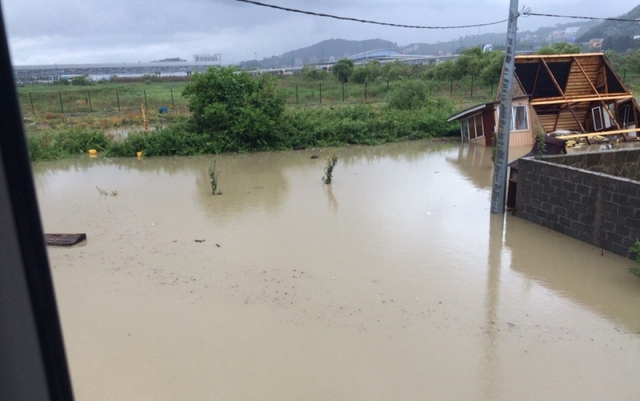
{"points": [[393, 283]]}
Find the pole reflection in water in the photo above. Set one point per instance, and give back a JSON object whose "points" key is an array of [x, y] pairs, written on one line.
{"points": [[392, 282]]}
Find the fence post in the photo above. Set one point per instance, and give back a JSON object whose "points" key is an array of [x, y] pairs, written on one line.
{"points": [[61, 107], [451, 88], [343, 92], [33, 110], [387, 91], [90, 108], [296, 93], [145, 99], [472, 86], [173, 106], [118, 99], [320, 93], [491, 93], [365, 91]]}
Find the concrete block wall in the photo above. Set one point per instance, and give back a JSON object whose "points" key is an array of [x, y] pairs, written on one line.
{"points": [[595, 207], [620, 163]]}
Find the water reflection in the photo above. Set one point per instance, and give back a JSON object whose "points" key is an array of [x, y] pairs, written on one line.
{"points": [[492, 300], [331, 200], [574, 270], [395, 279]]}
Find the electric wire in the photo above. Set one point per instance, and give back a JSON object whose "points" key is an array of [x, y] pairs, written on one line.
{"points": [[529, 13], [294, 10], [526, 12]]}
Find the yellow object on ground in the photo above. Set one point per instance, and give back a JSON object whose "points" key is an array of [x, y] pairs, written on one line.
{"points": [[93, 152]]}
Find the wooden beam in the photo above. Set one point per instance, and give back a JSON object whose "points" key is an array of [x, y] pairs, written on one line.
{"points": [[603, 133], [581, 99], [553, 78], [575, 116], [595, 91]]}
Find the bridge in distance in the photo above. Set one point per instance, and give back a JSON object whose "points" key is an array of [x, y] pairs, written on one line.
{"points": [[51, 72]]}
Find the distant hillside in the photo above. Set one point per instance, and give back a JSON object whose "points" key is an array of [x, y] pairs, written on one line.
{"points": [[614, 28], [326, 50], [619, 36]]}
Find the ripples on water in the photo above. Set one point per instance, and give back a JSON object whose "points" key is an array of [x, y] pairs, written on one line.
{"points": [[395, 282]]}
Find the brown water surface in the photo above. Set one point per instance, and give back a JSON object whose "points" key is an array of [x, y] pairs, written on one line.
{"points": [[393, 283]]}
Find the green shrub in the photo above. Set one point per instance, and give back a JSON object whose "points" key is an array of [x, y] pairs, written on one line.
{"points": [[409, 95], [58, 144], [81, 80], [242, 112], [636, 249]]}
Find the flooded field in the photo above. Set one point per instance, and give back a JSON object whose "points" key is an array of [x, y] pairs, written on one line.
{"points": [[393, 283]]}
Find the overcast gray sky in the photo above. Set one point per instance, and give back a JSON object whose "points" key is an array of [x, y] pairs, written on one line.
{"points": [[74, 31]]}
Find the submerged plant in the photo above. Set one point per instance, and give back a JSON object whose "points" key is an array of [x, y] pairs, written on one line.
{"points": [[328, 170], [105, 192], [636, 249], [213, 175]]}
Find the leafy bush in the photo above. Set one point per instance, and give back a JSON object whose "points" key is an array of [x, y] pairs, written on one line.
{"points": [[242, 112], [56, 145], [310, 72], [81, 80], [342, 70], [636, 249], [178, 140], [559, 48], [409, 95]]}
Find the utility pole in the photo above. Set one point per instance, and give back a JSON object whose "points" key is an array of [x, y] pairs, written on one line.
{"points": [[498, 190]]}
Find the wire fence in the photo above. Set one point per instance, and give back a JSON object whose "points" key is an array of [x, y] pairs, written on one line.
{"points": [[70, 100], [98, 100]]}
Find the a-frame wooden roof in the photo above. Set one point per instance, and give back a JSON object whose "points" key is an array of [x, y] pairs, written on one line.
{"points": [[564, 88]]}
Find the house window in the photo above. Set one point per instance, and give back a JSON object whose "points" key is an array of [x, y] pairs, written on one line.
{"points": [[519, 118], [625, 111], [464, 126], [596, 113]]}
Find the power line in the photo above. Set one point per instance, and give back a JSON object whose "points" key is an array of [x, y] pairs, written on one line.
{"points": [[293, 10], [528, 13]]}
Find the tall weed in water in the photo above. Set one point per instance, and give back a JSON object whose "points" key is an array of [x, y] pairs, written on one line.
{"points": [[213, 176], [328, 170]]}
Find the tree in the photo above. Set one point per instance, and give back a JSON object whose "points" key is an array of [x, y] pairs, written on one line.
{"points": [[360, 75], [490, 73], [81, 80], [243, 112], [310, 72], [342, 69], [559, 48], [620, 43]]}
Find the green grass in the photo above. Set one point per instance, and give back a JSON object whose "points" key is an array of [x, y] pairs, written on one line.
{"points": [[302, 127], [114, 97], [100, 97]]}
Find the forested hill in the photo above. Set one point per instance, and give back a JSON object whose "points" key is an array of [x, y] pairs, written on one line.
{"points": [[609, 29], [323, 51]]}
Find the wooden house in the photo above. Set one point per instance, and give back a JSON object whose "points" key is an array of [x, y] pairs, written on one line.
{"points": [[573, 96]]}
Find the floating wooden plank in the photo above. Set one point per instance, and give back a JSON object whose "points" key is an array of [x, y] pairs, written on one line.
{"points": [[600, 133], [64, 239]]}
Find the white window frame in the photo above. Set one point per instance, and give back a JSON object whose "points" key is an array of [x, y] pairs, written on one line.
{"points": [[513, 118], [597, 111], [464, 128]]}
